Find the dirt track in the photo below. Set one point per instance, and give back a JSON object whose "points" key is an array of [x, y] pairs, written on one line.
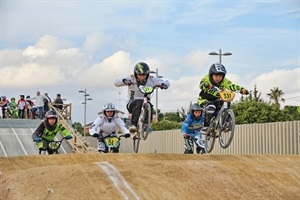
{"points": [[150, 176]]}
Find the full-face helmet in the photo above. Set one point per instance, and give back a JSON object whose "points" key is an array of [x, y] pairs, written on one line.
{"points": [[196, 107], [109, 107], [217, 69], [50, 114], [141, 68]]}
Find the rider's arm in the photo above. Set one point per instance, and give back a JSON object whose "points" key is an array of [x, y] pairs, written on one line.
{"points": [[64, 131], [186, 123], [158, 81], [39, 131], [120, 82], [205, 83], [231, 86], [96, 124]]}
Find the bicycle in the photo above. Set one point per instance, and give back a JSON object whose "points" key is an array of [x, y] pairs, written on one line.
{"points": [[144, 122], [223, 124], [198, 140], [112, 142], [52, 146]]}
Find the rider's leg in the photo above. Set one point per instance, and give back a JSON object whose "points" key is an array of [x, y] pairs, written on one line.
{"points": [[209, 109], [134, 107], [101, 144], [188, 146]]}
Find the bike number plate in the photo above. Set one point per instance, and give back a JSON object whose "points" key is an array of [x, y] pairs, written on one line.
{"points": [[112, 141], [227, 95]]}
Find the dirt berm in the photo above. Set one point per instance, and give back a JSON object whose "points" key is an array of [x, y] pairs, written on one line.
{"points": [[150, 176]]}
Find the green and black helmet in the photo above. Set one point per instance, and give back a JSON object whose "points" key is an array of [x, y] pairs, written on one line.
{"points": [[141, 68]]}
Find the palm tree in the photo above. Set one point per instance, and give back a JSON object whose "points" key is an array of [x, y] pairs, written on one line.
{"points": [[275, 95]]}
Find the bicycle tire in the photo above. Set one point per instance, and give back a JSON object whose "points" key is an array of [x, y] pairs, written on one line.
{"points": [[225, 135], [146, 115], [136, 142], [211, 136], [210, 141]]}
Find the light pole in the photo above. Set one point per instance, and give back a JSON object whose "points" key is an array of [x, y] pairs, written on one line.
{"points": [[220, 54], [156, 95], [85, 99]]}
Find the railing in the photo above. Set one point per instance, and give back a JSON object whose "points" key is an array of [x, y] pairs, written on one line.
{"points": [[64, 115], [266, 138]]}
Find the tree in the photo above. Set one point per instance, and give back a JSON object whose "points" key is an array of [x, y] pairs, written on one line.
{"points": [[275, 95], [78, 127]]}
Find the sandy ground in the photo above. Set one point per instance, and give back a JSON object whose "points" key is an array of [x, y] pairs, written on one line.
{"points": [[150, 176]]}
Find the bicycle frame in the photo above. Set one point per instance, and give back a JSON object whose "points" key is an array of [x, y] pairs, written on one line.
{"points": [[222, 125]]}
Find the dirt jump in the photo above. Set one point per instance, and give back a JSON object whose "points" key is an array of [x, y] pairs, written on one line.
{"points": [[149, 176]]}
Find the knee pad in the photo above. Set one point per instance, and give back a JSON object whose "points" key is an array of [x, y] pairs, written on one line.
{"points": [[210, 109]]}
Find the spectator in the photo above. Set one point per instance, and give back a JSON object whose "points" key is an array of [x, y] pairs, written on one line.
{"points": [[4, 104], [30, 108], [47, 100], [58, 102], [39, 102], [21, 106]]}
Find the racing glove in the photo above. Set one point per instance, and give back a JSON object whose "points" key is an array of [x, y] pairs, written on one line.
{"points": [[68, 137], [244, 91], [37, 139], [96, 135], [126, 81], [187, 136], [164, 86], [127, 135]]}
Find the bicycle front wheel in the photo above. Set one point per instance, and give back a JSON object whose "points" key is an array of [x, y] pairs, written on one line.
{"points": [[227, 127], [145, 125], [136, 142]]}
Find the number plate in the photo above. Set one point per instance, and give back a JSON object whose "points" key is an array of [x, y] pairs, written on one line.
{"points": [[227, 95], [112, 141]]}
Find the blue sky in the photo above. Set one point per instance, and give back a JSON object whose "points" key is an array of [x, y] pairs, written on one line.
{"points": [[66, 46]]}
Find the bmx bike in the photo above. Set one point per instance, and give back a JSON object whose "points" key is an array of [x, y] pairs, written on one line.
{"points": [[223, 124], [112, 142], [144, 122], [51, 146]]}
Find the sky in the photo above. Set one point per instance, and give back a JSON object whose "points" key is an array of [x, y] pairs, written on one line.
{"points": [[64, 46]]}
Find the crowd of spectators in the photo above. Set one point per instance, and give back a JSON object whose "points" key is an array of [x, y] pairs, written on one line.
{"points": [[29, 108]]}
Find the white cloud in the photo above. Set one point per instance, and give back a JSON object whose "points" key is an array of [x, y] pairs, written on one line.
{"points": [[68, 51]]}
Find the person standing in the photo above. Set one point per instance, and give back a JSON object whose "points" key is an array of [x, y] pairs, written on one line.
{"points": [[21, 106], [39, 102], [58, 102], [46, 100], [4, 104]]}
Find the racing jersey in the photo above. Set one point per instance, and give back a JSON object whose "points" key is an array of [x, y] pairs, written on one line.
{"points": [[102, 124], [133, 90], [42, 131], [210, 94], [190, 124]]}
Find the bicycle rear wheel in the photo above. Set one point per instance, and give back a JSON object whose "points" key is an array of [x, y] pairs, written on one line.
{"points": [[227, 127], [145, 127], [136, 141]]}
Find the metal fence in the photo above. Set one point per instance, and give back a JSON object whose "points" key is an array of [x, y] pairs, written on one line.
{"points": [[267, 138]]}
